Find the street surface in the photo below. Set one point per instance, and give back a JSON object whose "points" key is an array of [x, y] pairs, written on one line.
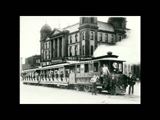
{"points": [[31, 94]]}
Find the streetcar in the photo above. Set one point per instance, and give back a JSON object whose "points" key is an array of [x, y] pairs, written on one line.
{"points": [[77, 74]]}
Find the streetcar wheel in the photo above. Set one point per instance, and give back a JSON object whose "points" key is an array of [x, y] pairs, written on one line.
{"points": [[66, 87]]}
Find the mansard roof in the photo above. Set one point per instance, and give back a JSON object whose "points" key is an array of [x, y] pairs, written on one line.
{"points": [[105, 26]]}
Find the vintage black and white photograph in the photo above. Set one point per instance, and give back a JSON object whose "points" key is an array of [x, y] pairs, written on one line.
{"points": [[80, 60]]}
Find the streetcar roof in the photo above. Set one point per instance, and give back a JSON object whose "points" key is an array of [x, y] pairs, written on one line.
{"points": [[54, 66], [114, 59]]}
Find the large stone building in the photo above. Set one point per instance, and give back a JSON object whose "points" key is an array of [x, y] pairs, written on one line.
{"points": [[80, 39]]}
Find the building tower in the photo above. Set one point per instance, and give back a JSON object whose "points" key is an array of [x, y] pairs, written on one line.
{"points": [[119, 24], [44, 32], [88, 29]]}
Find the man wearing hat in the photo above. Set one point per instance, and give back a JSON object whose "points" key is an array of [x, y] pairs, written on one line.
{"points": [[131, 82]]}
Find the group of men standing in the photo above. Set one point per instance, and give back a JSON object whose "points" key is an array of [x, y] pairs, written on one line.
{"points": [[111, 81]]}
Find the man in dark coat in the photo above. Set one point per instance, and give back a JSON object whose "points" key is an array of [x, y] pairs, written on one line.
{"points": [[131, 82], [113, 82], [94, 87], [125, 80]]}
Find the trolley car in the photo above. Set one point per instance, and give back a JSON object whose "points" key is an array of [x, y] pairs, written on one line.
{"points": [[77, 74]]}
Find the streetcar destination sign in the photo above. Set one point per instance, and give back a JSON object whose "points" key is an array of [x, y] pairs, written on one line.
{"points": [[79, 58]]}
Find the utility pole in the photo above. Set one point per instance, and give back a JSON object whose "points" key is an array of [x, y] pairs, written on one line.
{"points": [[59, 23]]}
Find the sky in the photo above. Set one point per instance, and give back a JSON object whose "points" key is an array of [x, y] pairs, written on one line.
{"points": [[30, 35]]}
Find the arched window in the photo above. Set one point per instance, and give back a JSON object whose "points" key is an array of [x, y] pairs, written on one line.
{"points": [[83, 49], [91, 49]]}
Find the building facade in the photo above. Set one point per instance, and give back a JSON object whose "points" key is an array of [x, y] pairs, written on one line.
{"points": [[31, 62], [80, 39]]}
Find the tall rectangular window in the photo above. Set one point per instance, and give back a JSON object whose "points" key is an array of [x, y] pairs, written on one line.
{"points": [[70, 50], [95, 67], [107, 38], [78, 68], [100, 36], [76, 37], [76, 50], [91, 49], [48, 54], [112, 39], [60, 47], [83, 50], [83, 35], [91, 36], [46, 45], [41, 45], [70, 38], [55, 47], [86, 68]]}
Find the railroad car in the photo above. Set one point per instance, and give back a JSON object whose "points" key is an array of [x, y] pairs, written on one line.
{"points": [[77, 74]]}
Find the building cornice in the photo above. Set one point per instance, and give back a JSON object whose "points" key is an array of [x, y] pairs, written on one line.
{"points": [[70, 44]]}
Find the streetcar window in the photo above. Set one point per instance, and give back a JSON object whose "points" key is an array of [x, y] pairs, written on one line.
{"points": [[95, 67], [86, 68], [78, 68]]}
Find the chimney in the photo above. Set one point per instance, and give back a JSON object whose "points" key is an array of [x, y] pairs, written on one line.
{"points": [[109, 53]]}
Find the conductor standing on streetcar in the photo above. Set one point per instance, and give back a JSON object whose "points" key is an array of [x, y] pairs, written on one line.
{"points": [[105, 73]]}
